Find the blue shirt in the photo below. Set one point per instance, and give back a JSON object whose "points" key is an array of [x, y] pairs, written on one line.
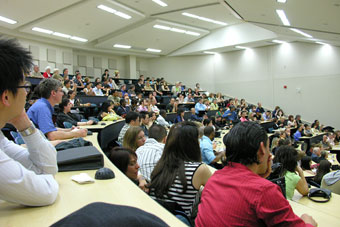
{"points": [[207, 150], [230, 115], [199, 107], [297, 135], [40, 114]]}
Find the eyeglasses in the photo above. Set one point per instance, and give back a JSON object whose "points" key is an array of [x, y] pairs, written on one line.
{"points": [[27, 86]]}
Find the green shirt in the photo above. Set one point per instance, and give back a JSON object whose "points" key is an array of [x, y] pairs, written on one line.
{"points": [[291, 180]]}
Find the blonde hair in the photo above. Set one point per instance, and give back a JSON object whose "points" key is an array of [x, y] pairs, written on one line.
{"points": [[130, 137]]}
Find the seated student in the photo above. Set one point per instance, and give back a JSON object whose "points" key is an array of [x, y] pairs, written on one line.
{"points": [[207, 147], [97, 90], [220, 111], [67, 86], [243, 116], [325, 144], [316, 125], [199, 106], [299, 132], [180, 115], [147, 86], [126, 161], [298, 119], [151, 151], [179, 173], [131, 119], [114, 96], [331, 181], [88, 90], [230, 114], [288, 157], [238, 195], [307, 131], [259, 108], [323, 169], [316, 155], [107, 113], [306, 163], [41, 112], [153, 106], [26, 174], [194, 117], [219, 122], [123, 109], [291, 121], [161, 119], [134, 138], [65, 115], [172, 107], [266, 116], [189, 98], [152, 119], [78, 80], [144, 122], [144, 106], [207, 122]]}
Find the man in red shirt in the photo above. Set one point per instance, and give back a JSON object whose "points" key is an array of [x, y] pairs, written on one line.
{"points": [[239, 194]]}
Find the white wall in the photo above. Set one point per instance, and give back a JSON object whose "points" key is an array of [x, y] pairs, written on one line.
{"points": [[261, 73]]}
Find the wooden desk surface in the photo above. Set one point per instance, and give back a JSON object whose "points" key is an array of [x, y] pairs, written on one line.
{"points": [[73, 196], [314, 135], [100, 125]]}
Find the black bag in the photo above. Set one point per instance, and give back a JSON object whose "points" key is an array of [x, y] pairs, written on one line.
{"points": [[80, 158], [320, 192], [74, 143]]}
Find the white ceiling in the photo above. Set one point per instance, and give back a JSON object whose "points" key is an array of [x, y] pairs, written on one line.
{"points": [[82, 18]]}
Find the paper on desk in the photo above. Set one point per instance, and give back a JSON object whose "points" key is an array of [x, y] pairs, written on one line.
{"points": [[82, 178]]}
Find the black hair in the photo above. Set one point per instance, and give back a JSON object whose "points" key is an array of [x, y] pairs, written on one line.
{"points": [[64, 70], [46, 86], [66, 82], [206, 122], [105, 105], [208, 130], [131, 116], [15, 61], [122, 101], [143, 114], [64, 102], [305, 162], [120, 157], [243, 142], [181, 146], [179, 111], [162, 113], [288, 157], [283, 142], [157, 132]]}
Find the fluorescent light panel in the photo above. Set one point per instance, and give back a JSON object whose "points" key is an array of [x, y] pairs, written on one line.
{"points": [[122, 46], [283, 17], [278, 41], [321, 43], [281, 1], [161, 3], [113, 11], [66, 36], [301, 32], [241, 47], [209, 52], [176, 30], [153, 50], [7, 20], [204, 19]]}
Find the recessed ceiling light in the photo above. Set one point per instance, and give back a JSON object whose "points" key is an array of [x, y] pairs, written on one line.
{"points": [[161, 3], [241, 47], [79, 39], [281, 1], [122, 46], [7, 20], [153, 50], [278, 41], [283, 17], [209, 52], [176, 30], [113, 11], [322, 43], [42, 30], [204, 19], [61, 35], [301, 32]]}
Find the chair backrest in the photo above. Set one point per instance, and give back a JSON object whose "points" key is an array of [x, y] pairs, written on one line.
{"points": [[109, 134], [67, 124], [171, 117], [211, 113]]}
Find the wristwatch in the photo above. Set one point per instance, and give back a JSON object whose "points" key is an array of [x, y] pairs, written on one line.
{"points": [[29, 131]]}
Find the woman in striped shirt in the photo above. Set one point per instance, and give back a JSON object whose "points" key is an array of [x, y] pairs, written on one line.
{"points": [[180, 172]]}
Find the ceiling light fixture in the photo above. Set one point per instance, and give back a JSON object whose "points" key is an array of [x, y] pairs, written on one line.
{"points": [[242, 47], [281, 1], [113, 11], [301, 32], [204, 19], [209, 52], [7, 20], [278, 41], [79, 39], [321, 43], [153, 50], [283, 17], [61, 35], [42, 30], [122, 46], [161, 3], [176, 30]]}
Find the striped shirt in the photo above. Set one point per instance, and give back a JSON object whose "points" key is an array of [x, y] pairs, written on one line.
{"points": [[148, 156], [176, 190], [122, 133]]}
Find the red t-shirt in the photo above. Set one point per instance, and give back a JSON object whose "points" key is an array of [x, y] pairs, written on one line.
{"points": [[236, 196], [46, 75]]}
